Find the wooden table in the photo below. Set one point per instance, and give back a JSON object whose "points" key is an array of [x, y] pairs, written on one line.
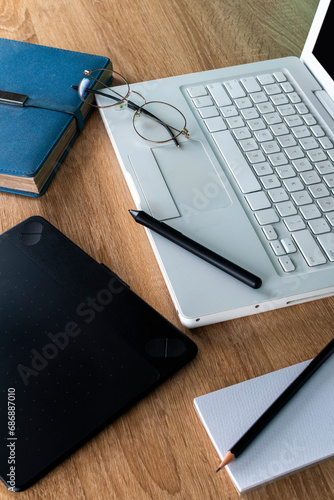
{"points": [[159, 449]]}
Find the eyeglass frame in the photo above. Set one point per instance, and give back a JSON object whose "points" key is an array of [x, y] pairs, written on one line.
{"points": [[138, 109]]}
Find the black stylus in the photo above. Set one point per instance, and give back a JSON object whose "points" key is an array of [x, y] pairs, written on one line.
{"points": [[196, 248]]}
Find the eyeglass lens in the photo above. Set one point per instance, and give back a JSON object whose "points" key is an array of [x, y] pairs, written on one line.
{"points": [[169, 122]]}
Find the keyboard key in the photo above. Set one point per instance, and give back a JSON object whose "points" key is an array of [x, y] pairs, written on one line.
{"points": [[228, 111], [294, 223], [330, 153], [270, 181], [249, 113], [272, 89], [265, 107], [219, 94], [302, 165], [286, 208], [302, 109], [262, 168], [324, 167], [301, 198], [277, 247], [234, 89], [259, 97], [248, 144], [287, 87], [285, 172], [279, 99], [301, 131], [288, 245], [309, 248], [277, 159], [327, 243], [293, 121], [256, 124], [329, 179], [286, 110], [242, 133], [319, 226], [263, 135], [236, 162], [278, 194], [235, 122], [310, 177], [287, 264], [309, 119], [310, 212], [266, 79], [208, 112], [197, 91], [250, 84], [316, 155], [267, 216], [258, 201], [270, 147], [287, 141], [326, 204], [294, 152], [330, 218], [255, 156], [272, 118], [269, 232], [309, 143], [294, 97], [293, 184], [279, 76], [201, 102], [317, 131], [215, 124], [243, 102], [279, 129], [326, 143], [318, 190]]}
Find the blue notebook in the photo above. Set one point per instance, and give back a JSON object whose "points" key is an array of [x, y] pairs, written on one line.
{"points": [[36, 136], [299, 436]]}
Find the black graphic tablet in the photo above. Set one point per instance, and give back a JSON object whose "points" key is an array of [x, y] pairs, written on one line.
{"points": [[77, 349]]}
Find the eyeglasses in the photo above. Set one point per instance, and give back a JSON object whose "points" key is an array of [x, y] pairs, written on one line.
{"points": [[154, 121]]}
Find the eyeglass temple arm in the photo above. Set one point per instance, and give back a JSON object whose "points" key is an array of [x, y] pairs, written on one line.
{"points": [[132, 106]]}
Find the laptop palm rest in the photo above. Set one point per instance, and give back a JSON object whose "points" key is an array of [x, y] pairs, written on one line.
{"points": [[179, 181]]}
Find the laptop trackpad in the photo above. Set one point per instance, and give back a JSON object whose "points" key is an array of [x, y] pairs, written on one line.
{"points": [[179, 181]]}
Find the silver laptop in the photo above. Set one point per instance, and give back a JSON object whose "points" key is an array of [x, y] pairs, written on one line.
{"points": [[254, 182]]}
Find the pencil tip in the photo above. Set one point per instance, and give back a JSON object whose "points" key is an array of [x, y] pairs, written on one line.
{"points": [[229, 457]]}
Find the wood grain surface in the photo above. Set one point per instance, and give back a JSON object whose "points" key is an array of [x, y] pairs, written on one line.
{"points": [[159, 450]]}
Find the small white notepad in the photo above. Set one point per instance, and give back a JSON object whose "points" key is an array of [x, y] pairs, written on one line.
{"points": [[300, 435]]}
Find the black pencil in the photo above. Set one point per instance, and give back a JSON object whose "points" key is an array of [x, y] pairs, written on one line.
{"points": [[277, 405], [197, 249]]}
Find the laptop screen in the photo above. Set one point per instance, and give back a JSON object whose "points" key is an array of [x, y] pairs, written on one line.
{"points": [[321, 49], [316, 54]]}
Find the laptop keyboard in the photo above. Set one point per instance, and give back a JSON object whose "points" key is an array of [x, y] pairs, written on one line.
{"points": [[281, 159]]}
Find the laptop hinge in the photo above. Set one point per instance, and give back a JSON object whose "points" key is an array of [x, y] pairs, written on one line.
{"points": [[326, 101]]}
